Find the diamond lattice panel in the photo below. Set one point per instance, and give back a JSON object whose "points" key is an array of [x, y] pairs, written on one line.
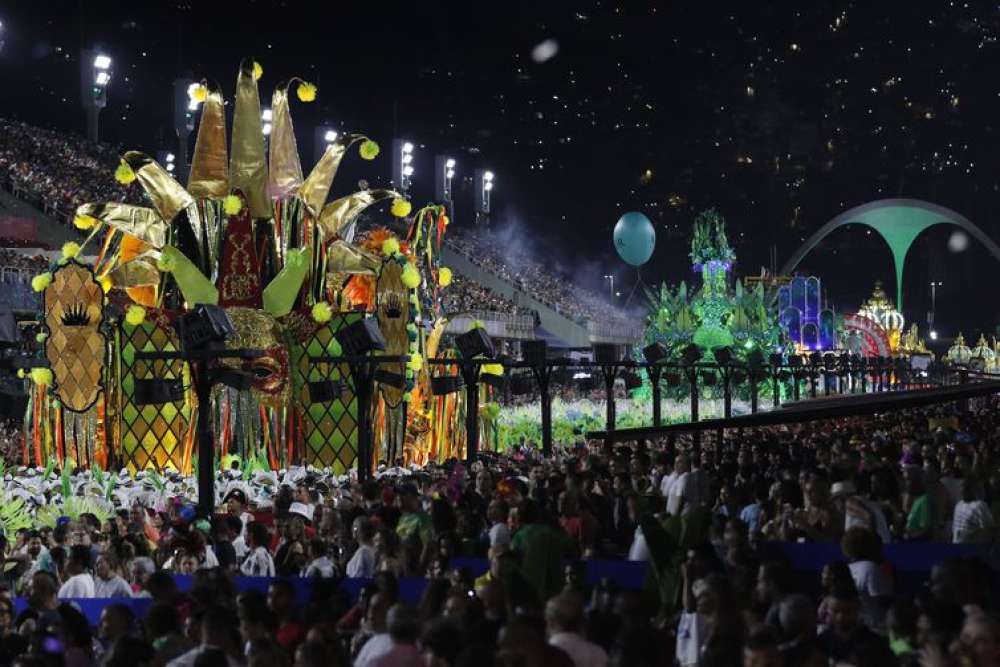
{"points": [[330, 430], [152, 435]]}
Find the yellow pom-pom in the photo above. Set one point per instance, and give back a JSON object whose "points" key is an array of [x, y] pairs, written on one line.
{"points": [[446, 219], [198, 93], [492, 369], [390, 246], [306, 91], [135, 315], [124, 173], [322, 312], [70, 249], [106, 283], [369, 150], [232, 204], [40, 338], [416, 362], [20, 373], [41, 281], [84, 222], [258, 71], [444, 276], [41, 376], [400, 207], [410, 277]]}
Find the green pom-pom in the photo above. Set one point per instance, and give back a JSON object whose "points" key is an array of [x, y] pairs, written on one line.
{"points": [[232, 204], [410, 276], [321, 312]]}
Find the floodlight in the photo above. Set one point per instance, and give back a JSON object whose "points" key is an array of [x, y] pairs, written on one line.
{"points": [[535, 351], [450, 163], [445, 384], [330, 136], [102, 62], [488, 186], [475, 342], [170, 157], [723, 355], [325, 391], [361, 337], [266, 129], [408, 158], [450, 173], [654, 353], [193, 105], [933, 334], [158, 391], [102, 79], [408, 170], [266, 115], [488, 176], [170, 166], [407, 147], [204, 326]]}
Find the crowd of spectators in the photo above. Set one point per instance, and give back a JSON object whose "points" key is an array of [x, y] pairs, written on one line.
{"points": [[540, 281], [464, 295], [701, 513], [59, 170]]}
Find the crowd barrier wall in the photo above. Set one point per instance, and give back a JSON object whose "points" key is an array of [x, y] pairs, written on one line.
{"points": [[911, 565]]}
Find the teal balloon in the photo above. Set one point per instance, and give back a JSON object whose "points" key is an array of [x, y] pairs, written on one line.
{"points": [[634, 238]]}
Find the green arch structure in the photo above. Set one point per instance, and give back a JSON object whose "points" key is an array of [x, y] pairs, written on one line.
{"points": [[899, 222]]}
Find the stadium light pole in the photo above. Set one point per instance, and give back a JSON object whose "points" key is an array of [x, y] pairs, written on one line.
{"points": [[444, 175], [95, 77], [484, 195], [185, 107], [403, 152]]}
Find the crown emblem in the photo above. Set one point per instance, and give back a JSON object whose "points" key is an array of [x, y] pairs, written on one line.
{"points": [[76, 316]]}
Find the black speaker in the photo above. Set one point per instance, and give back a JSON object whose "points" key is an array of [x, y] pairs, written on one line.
{"points": [[325, 391], [158, 391], [389, 378], [632, 380], [475, 342], [654, 353], [445, 384], [361, 337], [535, 351], [521, 384], [606, 353]]}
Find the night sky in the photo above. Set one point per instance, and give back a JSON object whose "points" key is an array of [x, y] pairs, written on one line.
{"points": [[779, 114]]}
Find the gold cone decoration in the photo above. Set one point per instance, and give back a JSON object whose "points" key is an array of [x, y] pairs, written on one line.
{"points": [[339, 213], [342, 257], [143, 223], [285, 169], [210, 165], [316, 187], [247, 162], [168, 196]]}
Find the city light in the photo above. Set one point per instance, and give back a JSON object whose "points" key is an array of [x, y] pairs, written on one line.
{"points": [[933, 335], [330, 136], [102, 62]]}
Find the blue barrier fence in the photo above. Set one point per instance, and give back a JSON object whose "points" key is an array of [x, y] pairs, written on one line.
{"points": [[911, 564]]}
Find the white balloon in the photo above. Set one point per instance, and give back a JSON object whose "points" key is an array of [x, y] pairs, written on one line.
{"points": [[958, 241]]}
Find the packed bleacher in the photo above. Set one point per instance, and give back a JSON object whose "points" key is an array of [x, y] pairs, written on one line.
{"points": [[58, 171], [538, 280], [464, 295], [783, 546]]}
